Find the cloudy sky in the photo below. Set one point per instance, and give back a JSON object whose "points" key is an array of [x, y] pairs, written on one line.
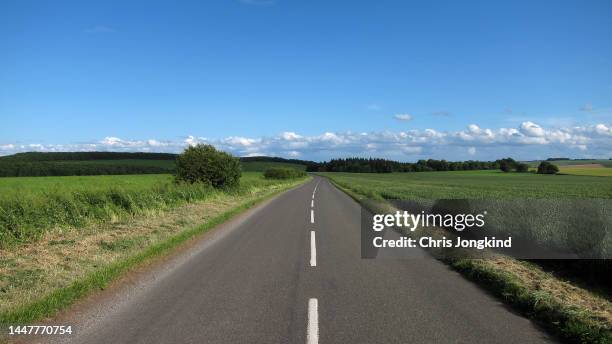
{"points": [[309, 79]]}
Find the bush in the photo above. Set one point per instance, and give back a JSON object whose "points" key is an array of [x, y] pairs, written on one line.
{"points": [[546, 167], [520, 167], [205, 164], [505, 166], [283, 173]]}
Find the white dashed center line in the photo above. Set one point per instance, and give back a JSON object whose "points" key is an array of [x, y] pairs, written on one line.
{"points": [[313, 249], [312, 336]]}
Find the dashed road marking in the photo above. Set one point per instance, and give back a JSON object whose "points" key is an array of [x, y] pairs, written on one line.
{"points": [[313, 249], [312, 336]]}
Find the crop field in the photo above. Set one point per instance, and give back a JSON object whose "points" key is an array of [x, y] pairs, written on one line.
{"points": [[473, 184], [587, 170], [30, 206], [552, 221]]}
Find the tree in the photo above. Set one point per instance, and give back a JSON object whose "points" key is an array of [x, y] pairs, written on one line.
{"points": [[504, 166], [521, 167], [546, 167], [205, 164]]}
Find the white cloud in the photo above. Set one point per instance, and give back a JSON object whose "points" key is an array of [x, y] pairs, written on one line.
{"points": [[110, 141], [294, 154], [290, 136], [532, 129], [403, 117], [526, 141]]}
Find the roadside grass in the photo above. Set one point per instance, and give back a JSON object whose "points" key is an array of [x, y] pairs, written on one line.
{"points": [[48, 275], [31, 206], [577, 317], [574, 314]]}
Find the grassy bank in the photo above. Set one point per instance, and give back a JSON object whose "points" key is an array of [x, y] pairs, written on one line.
{"points": [[32, 206], [42, 277], [573, 313]]}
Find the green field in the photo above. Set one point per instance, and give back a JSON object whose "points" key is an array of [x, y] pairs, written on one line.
{"points": [[30, 206], [581, 170], [473, 184], [19, 186], [552, 221]]}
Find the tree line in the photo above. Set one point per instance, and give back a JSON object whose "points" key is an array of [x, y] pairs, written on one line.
{"points": [[372, 165]]}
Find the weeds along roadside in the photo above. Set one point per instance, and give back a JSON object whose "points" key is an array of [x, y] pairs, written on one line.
{"points": [[527, 288]]}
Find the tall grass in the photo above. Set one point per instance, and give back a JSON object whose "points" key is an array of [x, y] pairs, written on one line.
{"points": [[27, 213]]}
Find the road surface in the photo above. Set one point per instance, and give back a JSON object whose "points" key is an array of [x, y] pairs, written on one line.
{"points": [[265, 280]]}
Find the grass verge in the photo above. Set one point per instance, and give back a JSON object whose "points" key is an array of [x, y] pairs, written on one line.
{"points": [[571, 313], [63, 297]]}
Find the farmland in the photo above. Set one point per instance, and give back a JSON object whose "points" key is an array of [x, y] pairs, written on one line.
{"points": [[586, 170], [544, 209], [472, 184]]}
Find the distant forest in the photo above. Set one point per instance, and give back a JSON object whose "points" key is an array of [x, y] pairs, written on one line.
{"points": [[362, 165]]}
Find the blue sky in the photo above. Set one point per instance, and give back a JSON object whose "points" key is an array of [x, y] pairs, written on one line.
{"points": [[311, 79]]}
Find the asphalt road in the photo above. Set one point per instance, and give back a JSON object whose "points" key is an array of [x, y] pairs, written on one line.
{"points": [[258, 281]]}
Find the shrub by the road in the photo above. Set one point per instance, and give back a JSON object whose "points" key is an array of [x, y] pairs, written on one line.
{"points": [[205, 164], [283, 173], [546, 167]]}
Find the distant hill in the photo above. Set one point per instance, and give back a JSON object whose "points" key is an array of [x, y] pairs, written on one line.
{"points": [[101, 163]]}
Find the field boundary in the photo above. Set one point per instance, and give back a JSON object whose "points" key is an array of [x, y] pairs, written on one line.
{"points": [[565, 322], [100, 279]]}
